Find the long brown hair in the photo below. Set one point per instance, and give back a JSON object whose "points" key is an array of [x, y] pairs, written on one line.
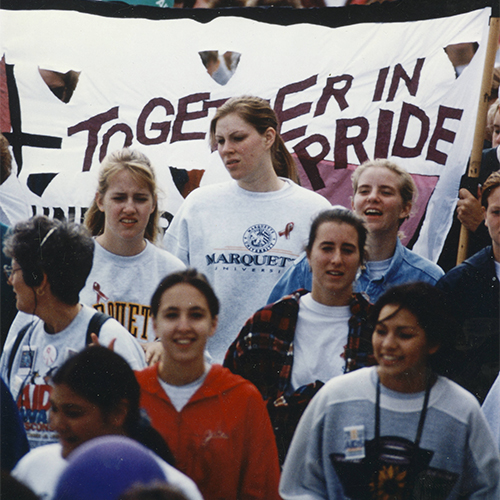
{"points": [[140, 168], [258, 113]]}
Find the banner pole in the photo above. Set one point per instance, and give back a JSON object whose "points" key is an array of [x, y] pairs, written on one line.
{"points": [[477, 145]]}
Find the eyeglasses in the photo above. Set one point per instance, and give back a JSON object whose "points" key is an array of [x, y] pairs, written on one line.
{"points": [[9, 271]]}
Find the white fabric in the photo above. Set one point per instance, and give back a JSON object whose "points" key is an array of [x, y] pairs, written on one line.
{"points": [[110, 100], [335, 3], [491, 409], [377, 268], [128, 283], [50, 351], [242, 241], [455, 430], [14, 201], [320, 337], [41, 468], [179, 395]]}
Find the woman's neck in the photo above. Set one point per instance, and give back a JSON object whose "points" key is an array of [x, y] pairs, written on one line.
{"points": [[332, 299], [180, 374], [381, 246], [408, 383], [56, 315], [118, 247], [266, 180]]}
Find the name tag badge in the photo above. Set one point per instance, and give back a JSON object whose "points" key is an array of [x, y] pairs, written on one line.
{"points": [[27, 363], [354, 439]]}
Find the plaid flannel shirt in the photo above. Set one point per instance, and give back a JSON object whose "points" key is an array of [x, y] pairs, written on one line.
{"points": [[263, 354]]}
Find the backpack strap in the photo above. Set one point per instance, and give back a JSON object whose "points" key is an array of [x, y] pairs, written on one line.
{"points": [[13, 352], [95, 323]]}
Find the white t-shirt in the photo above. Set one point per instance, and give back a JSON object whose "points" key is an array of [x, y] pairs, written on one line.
{"points": [[41, 468], [179, 395], [320, 337], [41, 353], [122, 286], [243, 241], [377, 268]]}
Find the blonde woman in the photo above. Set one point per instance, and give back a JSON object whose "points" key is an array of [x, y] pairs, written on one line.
{"points": [[128, 265]]}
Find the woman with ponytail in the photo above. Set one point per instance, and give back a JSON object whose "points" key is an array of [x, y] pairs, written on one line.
{"points": [[242, 234]]}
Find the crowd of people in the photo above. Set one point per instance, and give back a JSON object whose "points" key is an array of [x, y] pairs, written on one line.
{"points": [[247, 369], [215, 4]]}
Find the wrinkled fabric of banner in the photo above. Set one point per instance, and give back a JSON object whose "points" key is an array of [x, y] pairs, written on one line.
{"points": [[343, 95]]}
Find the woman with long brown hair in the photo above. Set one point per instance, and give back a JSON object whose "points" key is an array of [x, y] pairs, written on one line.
{"points": [[243, 233]]}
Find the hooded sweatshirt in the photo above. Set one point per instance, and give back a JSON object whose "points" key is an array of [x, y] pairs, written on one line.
{"points": [[222, 438]]}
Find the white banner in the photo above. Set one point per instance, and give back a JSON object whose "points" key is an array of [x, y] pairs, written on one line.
{"points": [[343, 95]]}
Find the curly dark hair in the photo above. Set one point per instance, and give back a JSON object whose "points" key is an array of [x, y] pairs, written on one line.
{"points": [[61, 250], [430, 307]]}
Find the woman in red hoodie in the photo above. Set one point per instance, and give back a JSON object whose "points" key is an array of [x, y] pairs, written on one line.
{"points": [[215, 423]]}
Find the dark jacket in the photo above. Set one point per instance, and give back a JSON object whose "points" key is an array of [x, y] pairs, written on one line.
{"points": [[473, 292], [480, 238]]}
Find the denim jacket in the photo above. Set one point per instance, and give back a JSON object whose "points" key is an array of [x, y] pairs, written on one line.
{"points": [[406, 266]]}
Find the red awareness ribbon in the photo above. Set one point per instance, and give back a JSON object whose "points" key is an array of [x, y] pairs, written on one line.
{"points": [[97, 288], [287, 231]]}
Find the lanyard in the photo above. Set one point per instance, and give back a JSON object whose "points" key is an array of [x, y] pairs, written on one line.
{"points": [[421, 421]]}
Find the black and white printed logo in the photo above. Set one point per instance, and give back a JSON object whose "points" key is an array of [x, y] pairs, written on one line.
{"points": [[260, 238]]}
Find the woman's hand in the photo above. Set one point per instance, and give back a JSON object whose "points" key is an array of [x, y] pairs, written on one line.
{"points": [[153, 352]]}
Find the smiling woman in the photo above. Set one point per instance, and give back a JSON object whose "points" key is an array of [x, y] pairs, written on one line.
{"points": [[384, 194], [215, 422], [397, 430], [127, 264], [289, 349]]}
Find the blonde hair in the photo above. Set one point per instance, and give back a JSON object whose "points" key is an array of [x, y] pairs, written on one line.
{"points": [[407, 187], [258, 113], [140, 168]]}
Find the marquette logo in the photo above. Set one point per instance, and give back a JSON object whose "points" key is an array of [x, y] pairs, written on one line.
{"points": [[260, 238], [248, 260]]}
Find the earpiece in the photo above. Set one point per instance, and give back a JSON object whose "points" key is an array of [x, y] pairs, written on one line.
{"points": [[33, 277]]}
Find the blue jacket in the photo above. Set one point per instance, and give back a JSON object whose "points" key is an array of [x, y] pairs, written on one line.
{"points": [[405, 266], [473, 292]]}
